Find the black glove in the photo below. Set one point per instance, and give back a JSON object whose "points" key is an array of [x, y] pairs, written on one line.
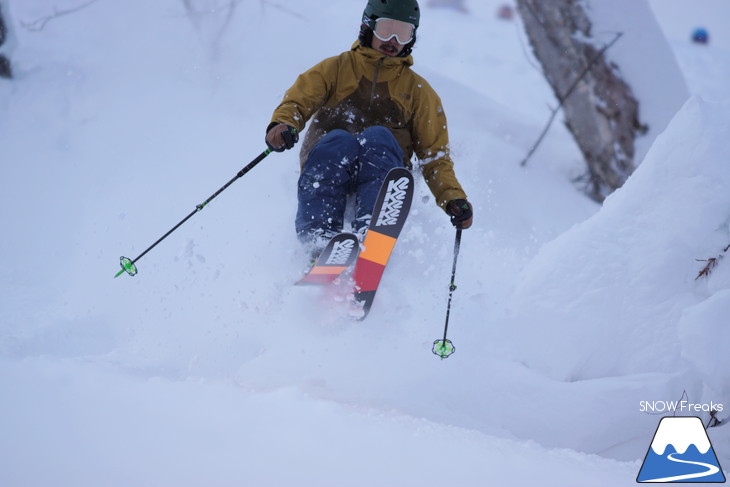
{"points": [[280, 137], [461, 213]]}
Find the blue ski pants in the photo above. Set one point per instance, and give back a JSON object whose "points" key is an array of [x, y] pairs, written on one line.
{"points": [[339, 165]]}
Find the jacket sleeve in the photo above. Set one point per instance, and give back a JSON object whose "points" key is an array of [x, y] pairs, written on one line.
{"points": [[431, 146], [307, 95]]}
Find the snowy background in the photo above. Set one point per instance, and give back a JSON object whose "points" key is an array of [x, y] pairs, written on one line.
{"points": [[211, 368]]}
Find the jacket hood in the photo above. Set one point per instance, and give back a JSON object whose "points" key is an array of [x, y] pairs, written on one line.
{"points": [[389, 61]]}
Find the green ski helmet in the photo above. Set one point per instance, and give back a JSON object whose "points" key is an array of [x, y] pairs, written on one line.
{"points": [[403, 10]]}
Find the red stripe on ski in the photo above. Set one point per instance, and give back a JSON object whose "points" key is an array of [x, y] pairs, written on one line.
{"points": [[367, 275]]}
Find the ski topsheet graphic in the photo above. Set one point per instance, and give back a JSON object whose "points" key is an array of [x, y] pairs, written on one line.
{"points": [[337, 256], [389, 215], [680, 452]]}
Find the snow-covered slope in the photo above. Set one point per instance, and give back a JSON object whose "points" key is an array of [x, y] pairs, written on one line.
{"points": [[636, 259], [210, 368]]}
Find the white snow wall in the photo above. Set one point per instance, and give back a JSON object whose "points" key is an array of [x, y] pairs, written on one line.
{"points": [[616, 295]]}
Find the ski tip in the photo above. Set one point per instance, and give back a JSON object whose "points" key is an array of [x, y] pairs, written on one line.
{"points": [[398, 172]]}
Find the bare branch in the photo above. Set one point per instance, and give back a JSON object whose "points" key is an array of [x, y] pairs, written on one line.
{"points": [[39, 24], [711, 263], [567, 94], [283, 8], [713, 420], [197, 17]]}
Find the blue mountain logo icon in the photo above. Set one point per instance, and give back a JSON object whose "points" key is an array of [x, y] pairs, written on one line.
{"points": [[681, 452]]}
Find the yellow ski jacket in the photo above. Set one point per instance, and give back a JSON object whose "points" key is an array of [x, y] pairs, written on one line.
{"points": [[361, 88]]}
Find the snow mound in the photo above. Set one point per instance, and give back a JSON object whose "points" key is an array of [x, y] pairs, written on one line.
{"points": [[608, 295]]}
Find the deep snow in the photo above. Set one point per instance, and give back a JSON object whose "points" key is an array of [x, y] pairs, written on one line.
{"points": [[210, 368]]}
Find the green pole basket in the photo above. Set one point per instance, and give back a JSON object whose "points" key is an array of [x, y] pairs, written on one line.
{"points": [[127, 266], [443, 348]]}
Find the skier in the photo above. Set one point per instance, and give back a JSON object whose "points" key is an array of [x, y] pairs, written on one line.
{"points": [[370, 113]]}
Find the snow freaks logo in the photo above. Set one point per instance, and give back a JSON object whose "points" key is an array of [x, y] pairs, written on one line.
{"points": [[393, 202], [683, 407], [680, 452], [341, 252]]}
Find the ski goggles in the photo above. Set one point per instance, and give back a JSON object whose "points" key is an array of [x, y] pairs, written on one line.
{"points": [[385, 29]]}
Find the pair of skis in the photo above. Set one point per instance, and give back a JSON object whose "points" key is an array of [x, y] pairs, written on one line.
{"points": [[388, 217]]}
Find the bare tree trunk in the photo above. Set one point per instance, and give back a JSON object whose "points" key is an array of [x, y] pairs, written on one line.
{"points": [[5, 71], [600, 110], [211, 18]]}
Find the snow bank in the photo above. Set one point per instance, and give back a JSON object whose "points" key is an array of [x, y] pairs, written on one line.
{"points": [[114, 429], [608, 295], [704, 334]]}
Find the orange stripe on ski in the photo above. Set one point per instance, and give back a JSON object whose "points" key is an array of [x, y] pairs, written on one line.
{"points": [[377, 247]]}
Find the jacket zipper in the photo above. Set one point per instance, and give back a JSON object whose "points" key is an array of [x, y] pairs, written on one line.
{"points": [[375, 80]]}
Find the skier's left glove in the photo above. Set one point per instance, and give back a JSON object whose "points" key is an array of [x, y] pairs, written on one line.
{"points": [[461, 213], [280, 136]]}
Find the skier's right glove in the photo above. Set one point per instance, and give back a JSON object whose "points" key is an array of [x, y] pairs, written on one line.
{"points": [[280, 136], [461, 213]]}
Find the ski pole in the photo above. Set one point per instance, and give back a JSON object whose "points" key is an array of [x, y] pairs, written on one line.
{"points": [[128, 264], [443, 347]]}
